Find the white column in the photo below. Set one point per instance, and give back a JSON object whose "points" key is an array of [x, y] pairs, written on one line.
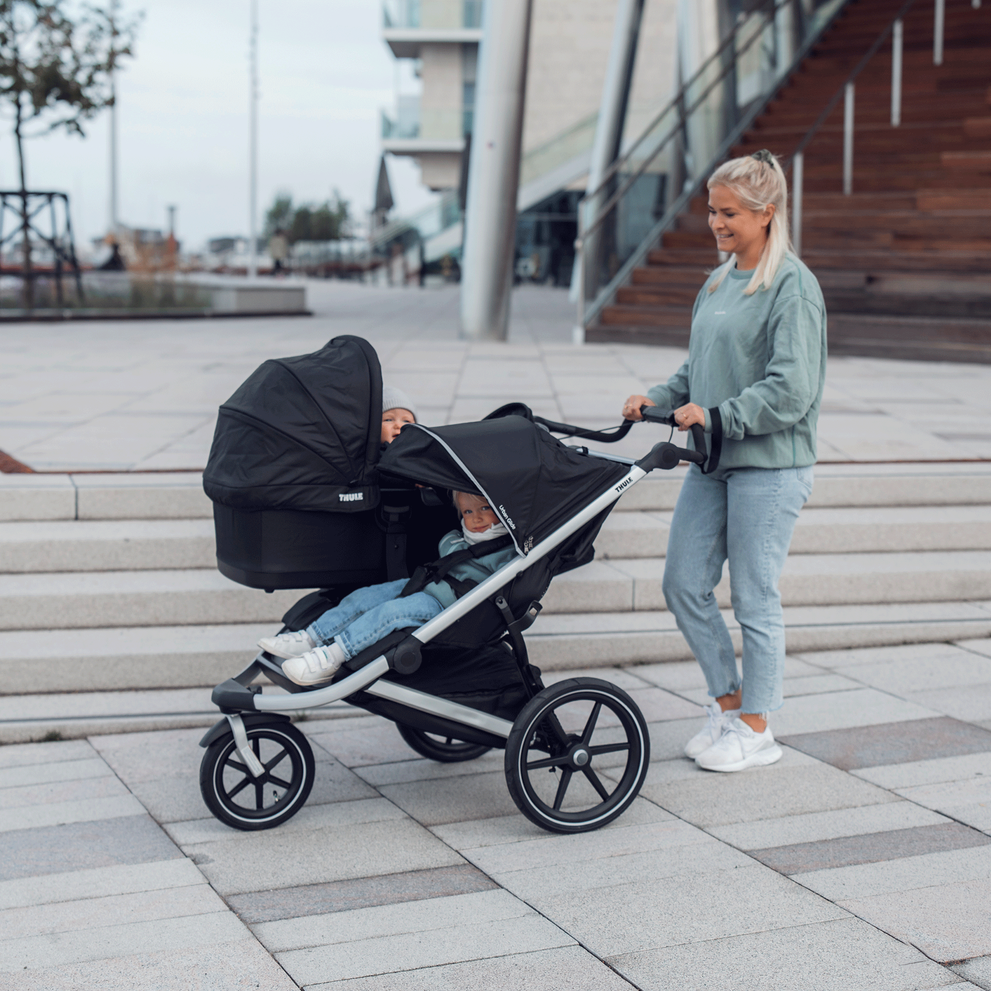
{"points": [[494, 170]]}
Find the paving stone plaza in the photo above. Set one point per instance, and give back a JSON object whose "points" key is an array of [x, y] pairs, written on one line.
{"points": [[861, 860]]}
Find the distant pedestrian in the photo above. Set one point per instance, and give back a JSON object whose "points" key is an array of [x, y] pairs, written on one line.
{"points": [[755, 372], [278, 251]]}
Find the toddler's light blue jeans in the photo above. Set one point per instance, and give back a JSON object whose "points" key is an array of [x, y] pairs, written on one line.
{"points": [[747, 515], [368, 614]]}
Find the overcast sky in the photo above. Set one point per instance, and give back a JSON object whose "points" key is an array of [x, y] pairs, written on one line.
{"points": [[325, 74]]}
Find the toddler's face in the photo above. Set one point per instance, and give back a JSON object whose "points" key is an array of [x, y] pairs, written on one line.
{"points": [[476, 512], [393, 420]]}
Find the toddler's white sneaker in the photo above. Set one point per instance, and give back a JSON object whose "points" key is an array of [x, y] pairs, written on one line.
{"points": [[716, 722], [291, 644], [740, 747], [315, 665]]}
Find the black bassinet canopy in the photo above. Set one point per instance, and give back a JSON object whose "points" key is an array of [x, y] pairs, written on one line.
{"points": [[529, 478], [302, 433]]}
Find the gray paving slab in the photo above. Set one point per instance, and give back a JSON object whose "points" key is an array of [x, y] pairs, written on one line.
{"points": [[567, 968], [62, 793], [109, 910], [404, 771], [958, 799], [970, 703], [839, 710], [342, 896], [51, 950], [793, 786], [894, 743], [905, 874], [830, 956], [948, 922], [435, 947], [59, 813], [977, 970], [683, 908], [364, 740], [880, 657], [866, 848], [97, 882], [53, 752], [234, 965], [816, 826], [47, 773], [283, 859], [453, 799], [926, 772], [945, 667]]}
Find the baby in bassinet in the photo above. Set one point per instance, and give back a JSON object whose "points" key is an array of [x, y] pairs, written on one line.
{"points": [[368, 614]]}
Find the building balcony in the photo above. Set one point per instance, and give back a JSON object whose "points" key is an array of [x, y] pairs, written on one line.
{"points": [[417, 130], [408, 24]]}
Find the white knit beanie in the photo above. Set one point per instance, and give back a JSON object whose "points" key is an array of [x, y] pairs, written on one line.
{"points": [[393, 398]]}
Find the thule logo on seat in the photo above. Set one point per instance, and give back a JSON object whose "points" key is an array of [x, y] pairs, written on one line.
{"points": [[351, 496]]}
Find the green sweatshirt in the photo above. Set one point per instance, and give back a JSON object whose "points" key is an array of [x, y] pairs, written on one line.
{"points": [[761, 360]]}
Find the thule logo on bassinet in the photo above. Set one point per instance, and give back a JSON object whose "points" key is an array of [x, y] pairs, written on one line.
{"points": [[351, 496]]}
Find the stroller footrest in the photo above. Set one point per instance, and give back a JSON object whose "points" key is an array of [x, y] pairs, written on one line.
{"points": [[231, 696]]}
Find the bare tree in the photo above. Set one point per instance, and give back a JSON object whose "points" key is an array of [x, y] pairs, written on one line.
{"points": [[56, 66]]}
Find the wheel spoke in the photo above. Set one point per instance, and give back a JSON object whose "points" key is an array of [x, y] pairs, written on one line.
{"points": [[272, 779], [562, 788], [609, 748], [590, 725], [259, 794], [595, 782], [547, 762], [245, 781], [280, 756]]}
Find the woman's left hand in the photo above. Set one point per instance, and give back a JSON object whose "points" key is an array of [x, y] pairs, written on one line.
{"points": [[688, 414]]}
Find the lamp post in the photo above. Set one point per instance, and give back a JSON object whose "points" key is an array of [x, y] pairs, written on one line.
{"points": [[253, 147]]}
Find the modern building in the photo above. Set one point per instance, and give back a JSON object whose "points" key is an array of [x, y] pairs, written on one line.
{"points": [[569, 49]]}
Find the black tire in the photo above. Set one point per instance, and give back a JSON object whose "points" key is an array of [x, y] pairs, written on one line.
{"points": [[438, 747], [562, 730], [244, 802]]}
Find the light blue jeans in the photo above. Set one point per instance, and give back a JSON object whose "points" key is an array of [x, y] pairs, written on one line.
{"points": [[747, 515], [368, 614]]}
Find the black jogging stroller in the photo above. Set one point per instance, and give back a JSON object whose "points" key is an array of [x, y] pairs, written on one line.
{"points": [[304, 496]]}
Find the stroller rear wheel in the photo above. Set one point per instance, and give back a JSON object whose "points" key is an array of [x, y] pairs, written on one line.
{"points": [[577, 755], [438, 747], [240, 800]]}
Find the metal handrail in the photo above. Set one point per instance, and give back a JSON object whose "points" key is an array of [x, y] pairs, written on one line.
{"points": [[586, 312], [676, 103], [846, 90]]}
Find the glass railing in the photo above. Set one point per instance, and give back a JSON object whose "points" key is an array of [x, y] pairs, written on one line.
{"points": [[643, 192], [401, 13], [426, 14], [560, 149], [408, 122], [434, 218]]}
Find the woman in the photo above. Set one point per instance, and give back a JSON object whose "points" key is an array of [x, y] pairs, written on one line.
{"points": [[756, 366]]}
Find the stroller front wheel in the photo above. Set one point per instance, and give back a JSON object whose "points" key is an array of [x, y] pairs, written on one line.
{"points": [[240, 800], [577, 755]]}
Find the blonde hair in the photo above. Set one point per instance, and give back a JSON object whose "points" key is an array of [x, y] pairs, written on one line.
{"points": [[758, 182]]}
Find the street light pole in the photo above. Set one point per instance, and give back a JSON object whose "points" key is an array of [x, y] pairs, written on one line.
{"points": [[253, 148], [113, 117]]}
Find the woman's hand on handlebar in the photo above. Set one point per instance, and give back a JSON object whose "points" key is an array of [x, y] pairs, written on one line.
{"points": [[687, 415], [631, 408]]}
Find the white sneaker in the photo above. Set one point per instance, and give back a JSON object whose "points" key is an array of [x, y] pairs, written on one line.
{"points": [[738, 748], [716, 724], [315, 665], [288, 644]]}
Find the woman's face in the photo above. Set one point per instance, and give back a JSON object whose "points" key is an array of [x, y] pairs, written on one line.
{"points": [[393, 420], [476, 512], [740, 231]]}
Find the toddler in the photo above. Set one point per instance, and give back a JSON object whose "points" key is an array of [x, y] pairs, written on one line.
{"points": [[368, 614], [397, 411]]}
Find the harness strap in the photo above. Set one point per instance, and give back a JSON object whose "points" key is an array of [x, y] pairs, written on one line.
{"points": [[438, 570]]}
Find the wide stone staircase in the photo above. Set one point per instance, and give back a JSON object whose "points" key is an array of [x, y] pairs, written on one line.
{"points": [[903, 260], [109, 594]]}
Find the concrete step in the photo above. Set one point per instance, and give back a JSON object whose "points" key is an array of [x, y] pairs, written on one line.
{"points": [[83, 682], [106, 545], [82, 600], [24, 718], [808, 579], [602, 639], [824, 531]]}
